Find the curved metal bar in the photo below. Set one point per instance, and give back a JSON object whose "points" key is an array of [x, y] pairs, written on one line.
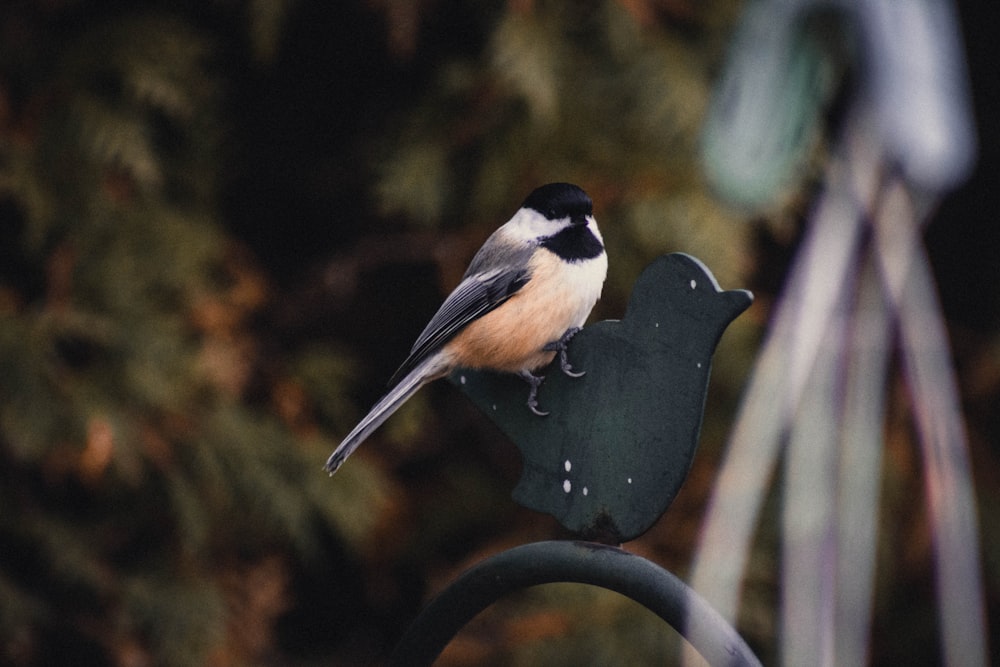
{"points": [[573, 562]]}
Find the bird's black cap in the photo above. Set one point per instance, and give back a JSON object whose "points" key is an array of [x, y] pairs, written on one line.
{"points": [[560, 200]]}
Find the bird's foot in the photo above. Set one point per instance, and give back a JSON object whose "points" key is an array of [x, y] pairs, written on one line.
{"points": [[560, 347], [535, 381]]}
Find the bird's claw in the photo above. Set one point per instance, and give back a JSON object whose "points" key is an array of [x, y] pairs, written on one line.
{"points": [[560, 347], [533, 406], [535, 381]]}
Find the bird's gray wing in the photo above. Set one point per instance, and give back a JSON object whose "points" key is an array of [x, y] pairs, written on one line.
{"points": [[486, 285]]}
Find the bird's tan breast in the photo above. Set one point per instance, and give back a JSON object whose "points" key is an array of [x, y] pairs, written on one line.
{"points": [[510, 338]]}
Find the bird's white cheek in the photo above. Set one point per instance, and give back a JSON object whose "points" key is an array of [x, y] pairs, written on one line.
{"points": [[527, 226]]}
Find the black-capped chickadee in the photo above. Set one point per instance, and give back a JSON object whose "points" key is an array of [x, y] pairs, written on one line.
{"points": [[528, 290]]}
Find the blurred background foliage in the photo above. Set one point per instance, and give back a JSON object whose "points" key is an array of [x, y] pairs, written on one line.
{"points": [[221, 226]]}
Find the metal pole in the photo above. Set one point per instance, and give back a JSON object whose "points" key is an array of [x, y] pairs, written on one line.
{"points": [[574, 562]]}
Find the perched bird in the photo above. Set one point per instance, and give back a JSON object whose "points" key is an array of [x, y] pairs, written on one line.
{"points": [[528, 290]]}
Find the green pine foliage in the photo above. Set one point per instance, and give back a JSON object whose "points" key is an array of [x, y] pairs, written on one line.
{"points": [[133, 472]]}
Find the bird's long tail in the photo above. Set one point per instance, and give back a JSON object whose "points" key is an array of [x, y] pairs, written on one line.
{"points": [[430, 369]]}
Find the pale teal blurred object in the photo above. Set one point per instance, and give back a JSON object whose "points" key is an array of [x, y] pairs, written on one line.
{"points": [[766, 110], [860, 288], [782, 75]]}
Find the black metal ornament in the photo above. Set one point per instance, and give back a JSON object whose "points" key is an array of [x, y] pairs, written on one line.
{"points": [[613, 452]]}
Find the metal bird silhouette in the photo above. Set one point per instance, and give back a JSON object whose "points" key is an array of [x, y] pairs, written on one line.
{"points": [[618, 442]]}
